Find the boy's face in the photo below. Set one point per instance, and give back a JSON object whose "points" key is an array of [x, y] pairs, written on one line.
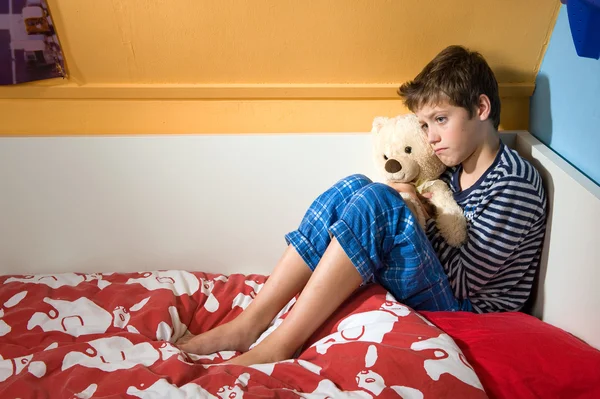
{"points": [[453, 135]]}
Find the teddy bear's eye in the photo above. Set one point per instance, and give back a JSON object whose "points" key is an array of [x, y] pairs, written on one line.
{"points": [[385, 157], [408, 150]]}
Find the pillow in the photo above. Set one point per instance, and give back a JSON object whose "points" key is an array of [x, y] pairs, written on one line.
{"points": [[518, 356]]}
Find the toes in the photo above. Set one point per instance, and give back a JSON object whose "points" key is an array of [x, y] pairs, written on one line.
{"points": [[184, 339], [185, 348], [190, 345]]}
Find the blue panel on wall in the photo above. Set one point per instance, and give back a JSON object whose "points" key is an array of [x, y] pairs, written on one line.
{"points": [[584, 20], [564, 111]]}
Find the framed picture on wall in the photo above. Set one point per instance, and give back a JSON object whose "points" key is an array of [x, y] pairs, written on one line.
{"points": [[29, 47]]}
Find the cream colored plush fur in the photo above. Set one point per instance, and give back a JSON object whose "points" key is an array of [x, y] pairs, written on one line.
{"points": [[410, 159]]}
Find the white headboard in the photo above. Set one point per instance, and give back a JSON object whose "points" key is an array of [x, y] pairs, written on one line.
{"points": [[567, 294], [222, 203], [216, 203]]}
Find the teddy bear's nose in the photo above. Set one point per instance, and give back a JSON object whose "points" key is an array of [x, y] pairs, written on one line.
{"points": [[393, 166]]}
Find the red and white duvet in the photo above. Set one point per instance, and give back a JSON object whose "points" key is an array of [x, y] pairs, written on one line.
{"points": [[111, 335]]}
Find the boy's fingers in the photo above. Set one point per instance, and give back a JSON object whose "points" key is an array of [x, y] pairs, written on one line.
{"points": [[423, 199], [402, 187]]}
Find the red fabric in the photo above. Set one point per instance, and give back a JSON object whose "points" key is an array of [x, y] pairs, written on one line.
{"points": [[112, 335], [518, 356]]}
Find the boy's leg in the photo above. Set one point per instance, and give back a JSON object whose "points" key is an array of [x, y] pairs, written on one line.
{"points": [[387, 244], [375, 223], [313, 236], [414, 274], [288, 278], [331, 283], [307, 245]]}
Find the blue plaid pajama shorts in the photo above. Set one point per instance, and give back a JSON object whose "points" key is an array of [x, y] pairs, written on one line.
{"points": [[381, 237]]}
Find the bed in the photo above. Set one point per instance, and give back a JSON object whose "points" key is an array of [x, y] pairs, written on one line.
{"points": [[82, 317], [111, 335]]}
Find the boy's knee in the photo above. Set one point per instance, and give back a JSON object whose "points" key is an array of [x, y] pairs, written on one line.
{"points": [[377, 197], [349, 186], [357, 180], [378, 191]]}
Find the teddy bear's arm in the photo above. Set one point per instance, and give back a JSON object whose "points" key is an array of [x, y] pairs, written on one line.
{"points": [[450, 218]]}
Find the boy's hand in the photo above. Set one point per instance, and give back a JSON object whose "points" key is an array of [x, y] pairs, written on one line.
{"points": [[410, 189]]}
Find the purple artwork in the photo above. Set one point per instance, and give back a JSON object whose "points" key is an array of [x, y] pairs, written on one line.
{"points": [[29, 48]]}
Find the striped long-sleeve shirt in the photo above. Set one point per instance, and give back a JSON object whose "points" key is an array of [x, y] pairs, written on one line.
{"points": [[505, 211]]}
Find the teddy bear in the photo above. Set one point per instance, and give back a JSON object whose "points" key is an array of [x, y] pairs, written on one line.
{"points": [[403, 155]]}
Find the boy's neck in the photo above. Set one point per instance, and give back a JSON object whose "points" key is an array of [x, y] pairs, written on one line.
{"points": [[480, 160]]}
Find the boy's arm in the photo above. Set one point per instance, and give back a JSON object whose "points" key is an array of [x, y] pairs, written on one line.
{"points": [[495, 268]]}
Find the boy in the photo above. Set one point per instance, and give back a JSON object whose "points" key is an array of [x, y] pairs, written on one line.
{"points": [[359, 231]]}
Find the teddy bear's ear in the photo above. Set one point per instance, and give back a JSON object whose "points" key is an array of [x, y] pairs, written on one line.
{"points": [[378, 123]]}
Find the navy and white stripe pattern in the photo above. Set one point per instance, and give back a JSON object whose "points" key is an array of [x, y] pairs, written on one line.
{"points": [[505, 211]]}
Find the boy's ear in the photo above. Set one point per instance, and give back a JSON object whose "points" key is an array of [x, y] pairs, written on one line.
{"points": [[378, 123], [484, 107]]}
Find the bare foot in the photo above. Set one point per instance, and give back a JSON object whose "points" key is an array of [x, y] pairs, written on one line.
{"points": [[254, 357], [264, 352], [185, 338], [237, 335]]}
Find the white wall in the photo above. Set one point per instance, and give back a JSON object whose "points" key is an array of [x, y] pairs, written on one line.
{"points": [[214, 203]]}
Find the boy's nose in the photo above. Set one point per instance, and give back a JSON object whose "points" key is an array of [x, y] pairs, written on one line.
{"points": [[432, 137]]}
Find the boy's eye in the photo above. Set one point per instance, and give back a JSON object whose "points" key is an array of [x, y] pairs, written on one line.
{"points": [[424, 126], [441, 119], [408, 150], [385, 157]]}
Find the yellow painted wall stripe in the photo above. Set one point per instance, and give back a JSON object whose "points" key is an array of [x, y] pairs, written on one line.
{"points": [[71, 91]]}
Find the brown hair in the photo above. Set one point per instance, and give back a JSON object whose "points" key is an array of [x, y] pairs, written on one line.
{"points": [[458, 75]]}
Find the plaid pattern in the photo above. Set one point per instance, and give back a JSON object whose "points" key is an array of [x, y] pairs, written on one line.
{"points": [[382, 239]]}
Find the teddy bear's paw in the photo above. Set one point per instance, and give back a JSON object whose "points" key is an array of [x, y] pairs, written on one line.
{"points": [[433, 186], [453, 228]]}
